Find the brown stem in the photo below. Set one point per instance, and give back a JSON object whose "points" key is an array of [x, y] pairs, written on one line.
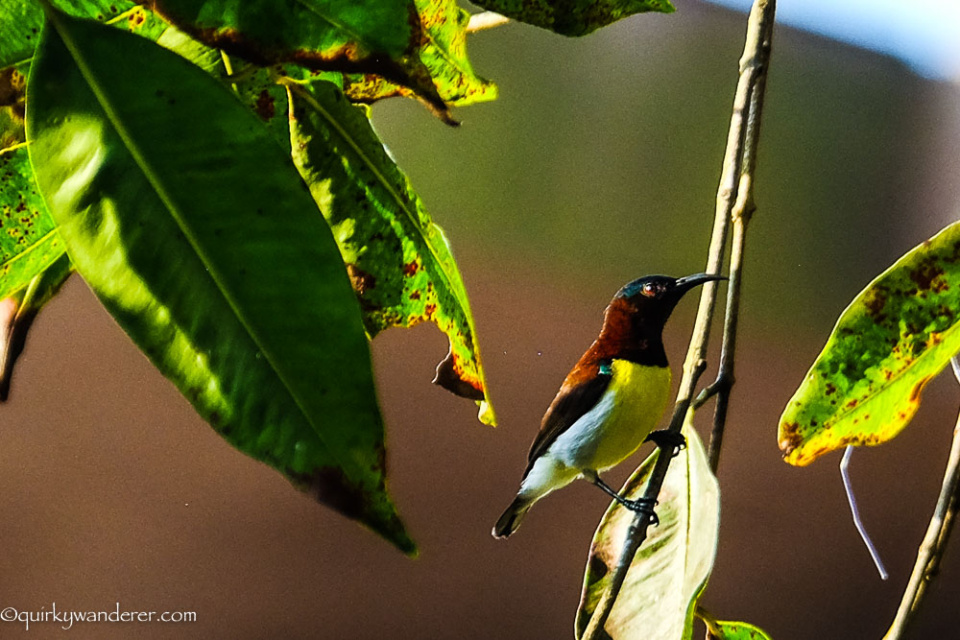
{"points": [[735, 188], [934, 542], [741, 215]]}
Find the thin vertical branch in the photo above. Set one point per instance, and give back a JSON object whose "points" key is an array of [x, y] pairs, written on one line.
{"points": [[741, 215], [934, 542], [734, 191]]}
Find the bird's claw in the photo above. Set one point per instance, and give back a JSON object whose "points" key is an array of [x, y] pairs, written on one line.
{"points": [[645, 506], [668, 441]]}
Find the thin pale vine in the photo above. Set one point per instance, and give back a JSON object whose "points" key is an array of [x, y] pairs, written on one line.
{"points": [[930, 553], [855, 512], [753, 68]]}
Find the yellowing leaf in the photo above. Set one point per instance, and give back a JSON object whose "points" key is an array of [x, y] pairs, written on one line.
{"points": [[442, 48], [380, 37], [399, 261], [728, 630], [28, 237], [895, 336], [672, 566]]}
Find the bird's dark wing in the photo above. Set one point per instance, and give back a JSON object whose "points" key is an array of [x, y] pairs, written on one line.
{"points": [[580, 392]]}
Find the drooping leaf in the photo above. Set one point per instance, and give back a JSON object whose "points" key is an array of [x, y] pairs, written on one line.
{"points": [[671, 567], [573, 17], [18, 312], [895, 336], [350, 36], [192, 227], [28, 238], [398, 260], [443, 51]]}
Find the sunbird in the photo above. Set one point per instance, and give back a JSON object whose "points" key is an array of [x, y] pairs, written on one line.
{"points": [[610, 401]]}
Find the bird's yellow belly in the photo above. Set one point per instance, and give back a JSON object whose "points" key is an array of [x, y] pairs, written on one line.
{"points": [[628, 411]]}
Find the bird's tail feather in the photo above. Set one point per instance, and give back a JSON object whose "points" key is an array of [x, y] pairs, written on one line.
{"points": [[510, 520]]}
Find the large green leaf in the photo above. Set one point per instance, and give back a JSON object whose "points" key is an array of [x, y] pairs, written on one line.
{"points": [[671, 567], [399, 261], [573, 17], [29, 243], [191, 225], [351, 36], [28, 238], [895, 336]]}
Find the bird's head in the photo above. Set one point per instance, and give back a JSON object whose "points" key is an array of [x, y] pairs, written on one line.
{"points": [[652, 298]]}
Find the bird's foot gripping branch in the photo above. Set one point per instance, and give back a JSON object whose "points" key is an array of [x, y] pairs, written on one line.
{"points": [[610, 402], [624, 590]]}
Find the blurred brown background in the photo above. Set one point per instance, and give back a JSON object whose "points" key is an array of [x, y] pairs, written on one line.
{"points": [[598, 164]]}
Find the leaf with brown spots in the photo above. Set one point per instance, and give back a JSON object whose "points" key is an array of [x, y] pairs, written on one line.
{"points": [[400, 261], [671, 568], [729, 630], [442, 48], [193, 228], [21, 22], [895, 336], [573, 17], [28, 238], [378, 37], [255, 86], [13, 84]]}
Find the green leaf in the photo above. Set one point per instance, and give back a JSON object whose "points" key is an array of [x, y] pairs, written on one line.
{"points": [[21, 22], [350, 36], [573, 17], [728, 630], [442, 48], [399, 261], [191, 225], [28, 238], [207, 58], [671, 567], [255, 86], [18, 312], [895, 336], [443, 51]]}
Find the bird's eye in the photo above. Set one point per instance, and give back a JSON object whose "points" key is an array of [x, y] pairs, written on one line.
{"points": [[649, 290]]}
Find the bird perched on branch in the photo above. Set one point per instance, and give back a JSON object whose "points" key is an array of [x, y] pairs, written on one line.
{"points": [[610, 402]]}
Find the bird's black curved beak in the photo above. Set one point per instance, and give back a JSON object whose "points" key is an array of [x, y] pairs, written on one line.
{"points": [[686, 283]]}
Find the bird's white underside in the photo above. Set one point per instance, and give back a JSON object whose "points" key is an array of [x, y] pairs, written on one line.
{"points": [[607, 434]]}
